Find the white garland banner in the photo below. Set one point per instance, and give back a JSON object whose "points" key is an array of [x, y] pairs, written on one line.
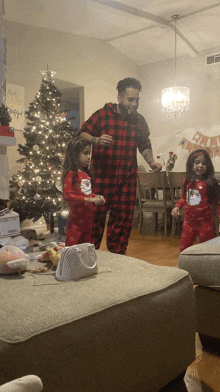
{"points": [[208, 143]]}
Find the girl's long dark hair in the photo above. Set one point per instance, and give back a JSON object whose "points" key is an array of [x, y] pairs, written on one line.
{"points": [[75, 146], [209, 176]]}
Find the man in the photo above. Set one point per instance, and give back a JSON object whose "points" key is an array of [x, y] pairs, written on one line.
{"points": [[116, 131]]}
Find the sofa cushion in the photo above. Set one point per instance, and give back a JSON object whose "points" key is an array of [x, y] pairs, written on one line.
{"points": [[202, 261], [130, 329], [39, 302]]}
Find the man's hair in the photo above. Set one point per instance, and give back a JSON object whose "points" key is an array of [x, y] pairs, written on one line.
{"points": [[128, 82]]}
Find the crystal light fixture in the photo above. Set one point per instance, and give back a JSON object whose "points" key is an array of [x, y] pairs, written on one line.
{"points": [[175, 100]]}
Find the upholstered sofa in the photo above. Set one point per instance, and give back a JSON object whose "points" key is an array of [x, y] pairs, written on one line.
{"points": [[130, 328], [30, 383], [202, 261]]}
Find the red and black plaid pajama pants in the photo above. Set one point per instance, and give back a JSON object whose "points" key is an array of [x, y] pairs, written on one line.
{"points": [[120, 196]]}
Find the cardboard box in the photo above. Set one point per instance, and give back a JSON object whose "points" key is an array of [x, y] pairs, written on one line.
{"points": [[9, 224], [6, 131]]}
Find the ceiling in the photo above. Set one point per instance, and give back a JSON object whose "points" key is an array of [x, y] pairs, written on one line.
{"points": [[143, 30]]}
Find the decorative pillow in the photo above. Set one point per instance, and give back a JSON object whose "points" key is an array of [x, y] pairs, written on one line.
{"points": [[12, 260]]}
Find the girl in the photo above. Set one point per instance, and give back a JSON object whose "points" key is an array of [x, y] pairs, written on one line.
{"points": [[77, 191], [200, 196]]}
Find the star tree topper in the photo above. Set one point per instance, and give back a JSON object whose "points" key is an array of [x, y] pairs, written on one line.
{"points": [[48, 75]]}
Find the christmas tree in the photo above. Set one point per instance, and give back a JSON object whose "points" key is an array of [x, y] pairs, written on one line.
{"points": [[36, 189], [5, 117]]}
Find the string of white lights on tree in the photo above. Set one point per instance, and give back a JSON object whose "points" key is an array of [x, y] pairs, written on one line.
{"points": [[36, 189]]}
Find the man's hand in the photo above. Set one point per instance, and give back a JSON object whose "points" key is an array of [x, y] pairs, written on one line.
{"points": [[105, 140], [156, 167]]}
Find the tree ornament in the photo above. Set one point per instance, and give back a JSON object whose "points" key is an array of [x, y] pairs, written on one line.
{"points": [[37, 196], [36, 147], [64, 213], [38, 179], [43, 116], [59, 185], [20, 184]]}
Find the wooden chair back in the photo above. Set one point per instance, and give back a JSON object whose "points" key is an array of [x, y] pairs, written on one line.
{"points": [[153, 196], [176, 181]]}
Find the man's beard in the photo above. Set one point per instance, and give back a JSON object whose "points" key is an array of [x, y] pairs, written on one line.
{"points": [[124, 112]]}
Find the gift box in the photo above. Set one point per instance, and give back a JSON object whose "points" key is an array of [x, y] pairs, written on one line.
{"points": [[9, 224], [6, 131]]}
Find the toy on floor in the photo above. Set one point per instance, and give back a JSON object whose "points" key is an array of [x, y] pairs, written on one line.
{"points": [[12, 260], [52, 254]]}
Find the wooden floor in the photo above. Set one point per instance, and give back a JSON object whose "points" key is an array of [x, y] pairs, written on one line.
{"points": [[158, 250]]}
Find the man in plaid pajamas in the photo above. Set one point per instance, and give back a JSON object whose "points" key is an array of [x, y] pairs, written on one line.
{"points": [[116, 131]]}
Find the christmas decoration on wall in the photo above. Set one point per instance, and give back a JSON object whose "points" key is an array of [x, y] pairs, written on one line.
{"points": [[209, 143], [33, 190]]}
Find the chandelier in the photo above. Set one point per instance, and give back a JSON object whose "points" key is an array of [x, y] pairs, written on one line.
{"points": [[175, 100]]}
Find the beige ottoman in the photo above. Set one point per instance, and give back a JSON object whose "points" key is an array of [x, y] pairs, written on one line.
{"points": [[128, 330], [202, 261]]}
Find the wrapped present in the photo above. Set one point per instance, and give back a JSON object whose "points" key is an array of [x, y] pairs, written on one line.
{"points": [[9, 224], [6, 131]]}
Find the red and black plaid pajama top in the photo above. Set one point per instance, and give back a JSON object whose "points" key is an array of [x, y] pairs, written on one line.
{"points": [[116, 173]]}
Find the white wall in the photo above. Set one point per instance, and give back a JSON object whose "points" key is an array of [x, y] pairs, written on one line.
{"points": [[203, 115], [98, 67], [83, 61], [87, 62]]}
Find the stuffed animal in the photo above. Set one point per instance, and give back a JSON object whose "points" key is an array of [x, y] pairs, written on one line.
{"points": [[12, 260], [52, 254]]}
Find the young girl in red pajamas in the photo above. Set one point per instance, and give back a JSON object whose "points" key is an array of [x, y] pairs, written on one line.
{"points": [[77, 191], [200, 197]]}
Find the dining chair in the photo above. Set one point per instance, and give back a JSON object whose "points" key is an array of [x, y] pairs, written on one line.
{"points": [[175, 180], [153, 196]]}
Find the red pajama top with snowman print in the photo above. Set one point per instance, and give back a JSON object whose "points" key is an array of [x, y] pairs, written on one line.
{"points": [[79, 223], [198, 214]]}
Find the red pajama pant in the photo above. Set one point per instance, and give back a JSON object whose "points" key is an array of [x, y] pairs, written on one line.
{"points": [[204, 229], [77, 234], [120, 197], [79, 227]]}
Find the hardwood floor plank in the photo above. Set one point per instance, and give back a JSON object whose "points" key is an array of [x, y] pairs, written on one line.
{"points": [[158, 250]]}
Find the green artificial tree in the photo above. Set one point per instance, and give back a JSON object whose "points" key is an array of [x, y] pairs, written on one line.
{"points": [[5, 117], [36, 190]]}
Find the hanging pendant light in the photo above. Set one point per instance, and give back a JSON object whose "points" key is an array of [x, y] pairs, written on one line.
{"points": [[175, 100]]}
